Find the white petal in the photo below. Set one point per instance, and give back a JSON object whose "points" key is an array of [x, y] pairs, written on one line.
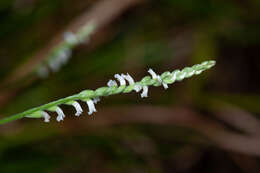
{"points": [[46, 116], [60, 113], [96, 100], [78, 108], [152, 73], [128, 78], [145, 92], [111, 83], [91, 107], [159, 79], [155, 76], [120, 79], [165, 86]]}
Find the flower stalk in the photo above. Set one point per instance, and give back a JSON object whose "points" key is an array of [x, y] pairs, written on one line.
{"points": [[91, 97]]}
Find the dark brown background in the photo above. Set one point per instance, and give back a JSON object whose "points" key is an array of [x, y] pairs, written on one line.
{"points": [[208, 123]]}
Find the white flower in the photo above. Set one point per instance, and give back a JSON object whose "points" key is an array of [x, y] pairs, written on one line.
{"points": [[78, 108], [155, 76], [96, 100], [46, 116], [111, 83], [137, 87], [60, 113], [128, 78], [91, 106], [145, 92], [165, 85], [120, 79], [70, 38], [131, 81]]}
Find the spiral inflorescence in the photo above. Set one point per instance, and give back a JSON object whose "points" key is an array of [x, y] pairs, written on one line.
{"points": [[125, 84]]}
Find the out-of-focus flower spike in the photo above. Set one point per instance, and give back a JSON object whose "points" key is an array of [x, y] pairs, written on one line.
{"points": [[120, 79], [64, 56], [145, 92], [91, 106], [60, 113], [78, 108], [70, 38]]}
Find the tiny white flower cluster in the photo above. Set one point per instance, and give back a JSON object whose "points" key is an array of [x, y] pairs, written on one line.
{"points": [[56, 63], [91, 105], [137, 87], [122, 80], [155, 76]]}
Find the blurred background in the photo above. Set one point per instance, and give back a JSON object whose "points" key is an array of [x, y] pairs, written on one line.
{"points": [[208, 123]]}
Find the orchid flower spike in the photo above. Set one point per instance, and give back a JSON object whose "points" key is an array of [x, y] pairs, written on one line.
{"points": [[91, 97]]}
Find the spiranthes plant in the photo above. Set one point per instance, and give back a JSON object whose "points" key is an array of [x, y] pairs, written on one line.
{"points": [[125, 84]]}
